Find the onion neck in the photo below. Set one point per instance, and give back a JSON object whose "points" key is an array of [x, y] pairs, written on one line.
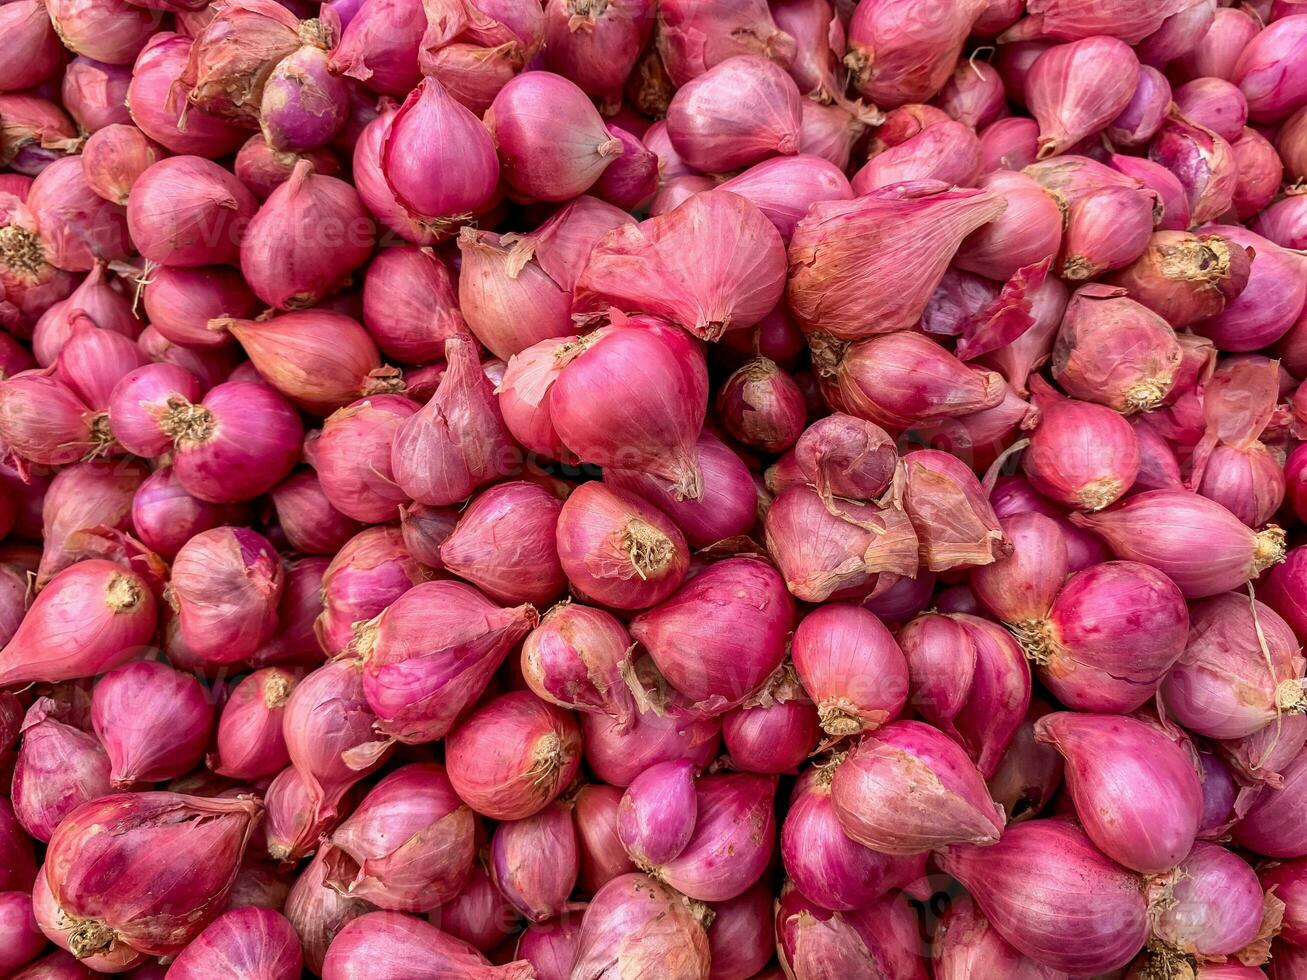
{"points": [[588, 8], [123, 594], [89, 937], [648, 549], [186, 424], [21, 250], [1269, 550], [101, 435]]}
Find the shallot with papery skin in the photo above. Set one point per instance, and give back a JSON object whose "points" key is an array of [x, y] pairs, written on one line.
{"points": [[391, 946], [775, 730], [165, 516], [603, 858], [114, 157], [91, 617], [1144, 113], [1043, 884], [133, 838], [1076, 89], [535, 861], [617, 757], [509, 300], [1136, 793], [637, 924], [249, 740], [153, 721], [352, 457], [430, 654], [180, 302], [410, 303], [408, 846], [1185, 277], [967, 945], [535, 748], [879, 792], [658, 812], [59, 767], [1196, 542], [479, 914], [950, 511], [260, 941], [576, 658]]}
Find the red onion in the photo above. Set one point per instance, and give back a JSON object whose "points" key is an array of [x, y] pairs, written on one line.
{"points": [[843, 456], [303, 105], [431, 133], [823, 861], [379, 46], [603, 857], [1287, 881], [946, 151], [77, 225], [785, 187], [1143, 115], [637, 924], [513, 756], [774, 731], [158, 112], [596, 47], [425, 529], [844, 278], [375, 192], [306, 239], [410, 304], [318, 913], [504, 544], [114, 157], [1282, 222], [631, 179], [153, 721], [1009, 143], [93, 361], [818, 67], [707, 291], [1028, 231], [879, 792], [1215, 104], [249, 740], [180, 303], [81, 498], [294, 641], [1106, 229], [165, 516], [560, 160], [1074, 90], [295, 820], [260, 942], [829, 132], [658, 812], [576, 658], [306, 517], [225, 587], [1267, 70], [1164, 528], [1212, 906], [59, 767], [1265, 311], [132, 839], [550, 946], [973, 95], [112, 32], [693, 37], [479, 914], [535, 861], [141, 402], [737, 113], [430, 654], [43, 421], [1184, 277], [457, 441], [762, 407], [967, 945], [948, 508], [897, 598], [1214, 55], [33, 51], [25, 940], [409, 845], [882, 936], [741, 936], [90, 618], [1135, 791], [510, 301], [352, 457], [1071, 468], [1030, 772], [408, 947], [1202, 160], [1220, 687], [1179, 33], [263, 169], [95, 94], [319, 359], [188, 211], [720, 667], [894, 57], [1271, 826], [19, 868], [1053, 896], [493, 40], [618, 756]]}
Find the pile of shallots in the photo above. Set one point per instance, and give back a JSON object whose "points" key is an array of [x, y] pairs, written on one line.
{"points": [[660, 489]]}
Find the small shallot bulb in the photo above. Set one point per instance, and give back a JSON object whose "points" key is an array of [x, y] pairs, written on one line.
{"points": [[577, 658], [188, 211], [851, 667], [352, 457], [881, 789], [409, 947], [1074, 90], [1185, 277], [1081, 454], [552, 142], [154, 722], [1212, 905], [535, 861], [637, 924], [114, 157], [106, 848], [1196, 542], [306, 240], [256, 941], [408, 846], [304, 105], [90, 618], [762, 406], [658, 813], [722, 634], [513, 756], [739, 112], [1045, 875], [250, 743], [59, 767], [1135, 791], [603, 857]]}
